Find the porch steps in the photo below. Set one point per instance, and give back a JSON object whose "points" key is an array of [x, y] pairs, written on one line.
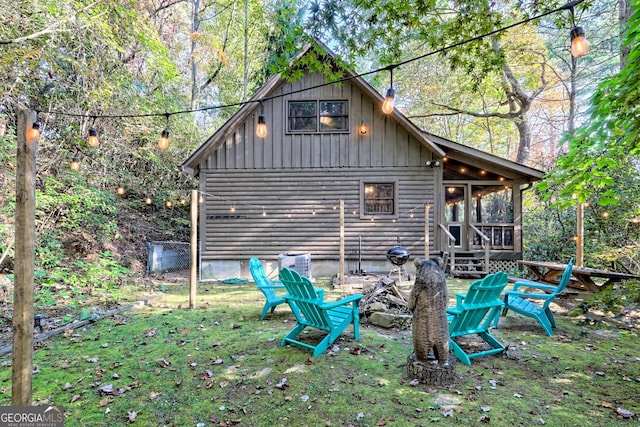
{"points": [[467, 264]]}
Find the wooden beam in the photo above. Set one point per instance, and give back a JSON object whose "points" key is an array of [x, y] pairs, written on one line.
{"points": [[341, 267], [193, 282], [426, 230], [25, 226]]}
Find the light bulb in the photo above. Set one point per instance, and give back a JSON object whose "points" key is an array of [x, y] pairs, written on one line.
{"points": [[579, 43], [362, 129], [148, 200], [120, 190], [93, 138], [33, 132], [261, 129], [75, 163], [168, 203], [163, 142], [388, 104]]}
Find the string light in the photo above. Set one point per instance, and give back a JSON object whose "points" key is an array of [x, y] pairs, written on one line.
{"points": [[163, 142], [33, 132], [388, 105], [389, 99], [579, 43], [148, 200], [261, 129], [120, 190], [75, 163], [168, 204], [92, 140]]}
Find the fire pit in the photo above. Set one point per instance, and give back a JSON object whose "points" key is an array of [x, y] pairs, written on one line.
{"points": [[398, 256]]}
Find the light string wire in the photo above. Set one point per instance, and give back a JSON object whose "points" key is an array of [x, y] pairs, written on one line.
{"points": [[568, 6], [234, 204]]}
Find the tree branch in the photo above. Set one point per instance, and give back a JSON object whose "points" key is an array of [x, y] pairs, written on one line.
{"points": [[49, 30]]}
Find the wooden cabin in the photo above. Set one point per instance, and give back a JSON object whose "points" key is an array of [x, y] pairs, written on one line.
{"points": [[334, 168]]}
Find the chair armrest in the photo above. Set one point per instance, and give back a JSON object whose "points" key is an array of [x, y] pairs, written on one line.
{"points": [[454, 311], [534, 285], [273, 287], [343, 301], [527, 295], [460, 298]]}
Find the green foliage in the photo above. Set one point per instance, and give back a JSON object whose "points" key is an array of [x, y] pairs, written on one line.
{"points": [[76, 208], [49, 251], [617, 299], [606, 148]]}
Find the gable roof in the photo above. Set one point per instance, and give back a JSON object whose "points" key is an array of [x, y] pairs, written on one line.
{"points": [[190, 165]]}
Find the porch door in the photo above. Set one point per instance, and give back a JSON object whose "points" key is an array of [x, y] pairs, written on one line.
{"points": [[455, 214]]}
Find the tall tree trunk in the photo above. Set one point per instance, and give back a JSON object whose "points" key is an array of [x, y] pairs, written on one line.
{"points": [[524, 132], [624, 10], [195, 24], [245, 82]]}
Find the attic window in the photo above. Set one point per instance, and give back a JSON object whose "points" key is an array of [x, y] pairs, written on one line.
{"points": [[317, 116]]}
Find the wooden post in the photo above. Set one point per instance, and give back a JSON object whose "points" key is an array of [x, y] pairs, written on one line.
{"points": [[341, 268], [426, 231], [25, 228], [580, 235], [193, 282]]}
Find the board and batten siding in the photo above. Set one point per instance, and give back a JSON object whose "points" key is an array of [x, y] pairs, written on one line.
{"points": [[273, 213], [287, 176]]}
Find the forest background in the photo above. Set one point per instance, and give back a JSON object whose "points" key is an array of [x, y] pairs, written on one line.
{"points": [[130, 69]]}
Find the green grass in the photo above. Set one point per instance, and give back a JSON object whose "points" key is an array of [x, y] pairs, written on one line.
{"points": [[221, 365]]}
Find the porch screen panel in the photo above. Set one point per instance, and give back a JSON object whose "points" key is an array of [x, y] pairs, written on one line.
{"points": [[492, 204]]}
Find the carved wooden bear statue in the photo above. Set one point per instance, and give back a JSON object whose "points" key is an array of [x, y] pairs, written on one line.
{"points": [[428, 302]]}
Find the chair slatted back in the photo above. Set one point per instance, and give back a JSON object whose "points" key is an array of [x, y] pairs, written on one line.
{"points": [[260, 277], [480, 305], [306, 298]]}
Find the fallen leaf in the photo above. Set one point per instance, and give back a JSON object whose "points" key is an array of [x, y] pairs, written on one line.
{"points": [[624, 413], [282, 385], [132, 416], [163, 362], [381, 422], [75, 398], [151, 332]]}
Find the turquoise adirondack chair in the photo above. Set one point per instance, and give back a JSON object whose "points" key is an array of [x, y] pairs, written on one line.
{"points": [[308, 306], [473, 314], [536, 305], [266, 286]]}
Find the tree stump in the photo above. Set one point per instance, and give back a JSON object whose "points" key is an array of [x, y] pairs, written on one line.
{"points": [[432, 373]]}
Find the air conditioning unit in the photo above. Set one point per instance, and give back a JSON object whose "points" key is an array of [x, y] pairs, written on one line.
{"points": [[298, 262]]}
